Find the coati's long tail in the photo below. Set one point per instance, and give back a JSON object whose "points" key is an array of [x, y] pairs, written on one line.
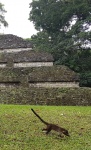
{"points": [[39, 117]]}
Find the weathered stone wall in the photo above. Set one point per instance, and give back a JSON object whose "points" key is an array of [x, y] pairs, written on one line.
{"points": [[15, 50], [25, 64], [47, 76], [3, 65], [54, 84], [10, 41], [39, 85], [32, 64], [24, 58], [46, 96]]}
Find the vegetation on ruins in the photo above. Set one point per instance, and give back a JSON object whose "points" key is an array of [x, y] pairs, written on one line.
{"points": [[45, 96], [9, 41]]}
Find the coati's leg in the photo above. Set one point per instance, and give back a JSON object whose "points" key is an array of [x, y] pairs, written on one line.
{"points": [[48, 130], [44, 129], [60, 135]]}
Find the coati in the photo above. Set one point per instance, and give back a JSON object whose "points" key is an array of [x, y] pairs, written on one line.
{"points": [[52, 126]]}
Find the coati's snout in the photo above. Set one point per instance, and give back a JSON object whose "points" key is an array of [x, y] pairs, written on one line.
{"points": [[66, 133]]}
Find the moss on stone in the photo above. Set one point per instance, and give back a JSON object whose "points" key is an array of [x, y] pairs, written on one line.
{"points": [[39, 74], [46, 96]]}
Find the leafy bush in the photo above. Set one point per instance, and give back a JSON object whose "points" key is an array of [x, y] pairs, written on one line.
{"points": [[85, 79]]}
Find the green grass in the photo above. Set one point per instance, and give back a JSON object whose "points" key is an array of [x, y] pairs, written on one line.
{"points": [[21, 130]]}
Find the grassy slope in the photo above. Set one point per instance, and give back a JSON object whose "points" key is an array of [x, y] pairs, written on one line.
{"points": [[21, 130]]}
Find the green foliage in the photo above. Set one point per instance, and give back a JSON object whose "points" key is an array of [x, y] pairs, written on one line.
{"points": [[80, 61], [2, 18], [21, 130], [28, 39], [42, 42], [53, 19], [57, 35], [85, 79], [54, 15]]}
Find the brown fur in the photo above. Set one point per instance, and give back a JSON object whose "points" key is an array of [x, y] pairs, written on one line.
{"points": [[51, 126]]}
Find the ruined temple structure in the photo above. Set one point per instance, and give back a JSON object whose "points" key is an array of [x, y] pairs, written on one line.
{"points": [[12, 42], [20, 65], [16, 52]]}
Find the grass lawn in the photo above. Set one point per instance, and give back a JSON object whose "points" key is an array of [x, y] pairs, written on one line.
{"points": [[20, 129]]}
